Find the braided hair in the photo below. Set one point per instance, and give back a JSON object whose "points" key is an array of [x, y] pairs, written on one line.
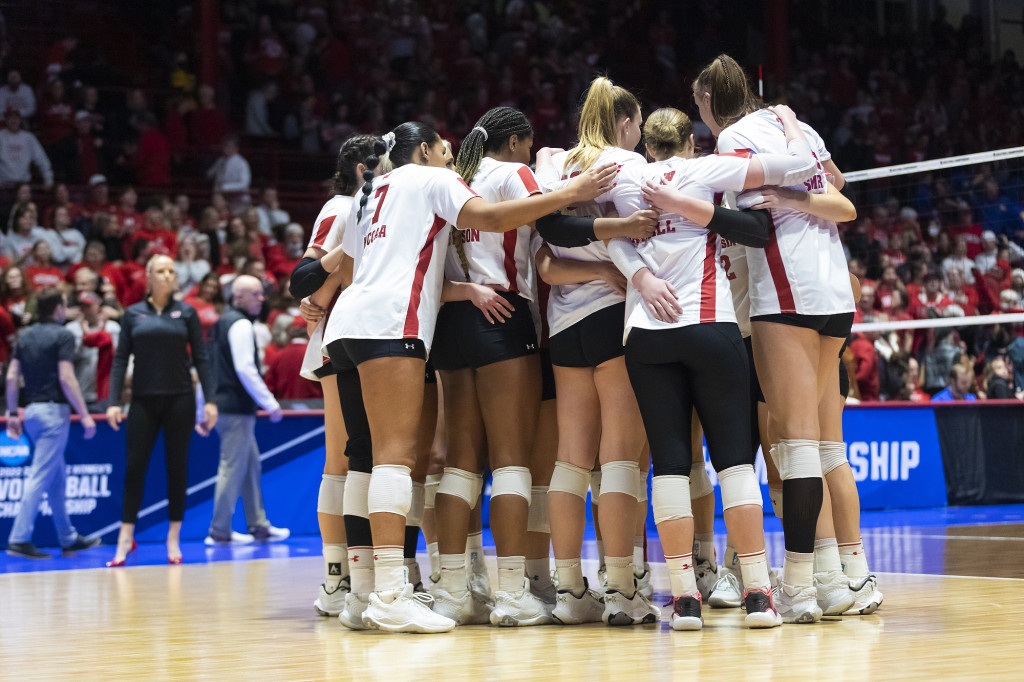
{"points": [[353, 151], [731, 95], [490, 134], [406, 139]]}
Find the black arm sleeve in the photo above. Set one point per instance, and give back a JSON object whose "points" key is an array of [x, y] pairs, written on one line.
{"points": [[749, 228], [565, 230], [307, 277]]}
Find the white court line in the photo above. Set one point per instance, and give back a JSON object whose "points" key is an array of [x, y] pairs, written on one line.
{"points": [[208, 482], [941, 537], [943, 575]]}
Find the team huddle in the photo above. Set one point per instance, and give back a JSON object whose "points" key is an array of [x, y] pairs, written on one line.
{"points": [[571, 329]]}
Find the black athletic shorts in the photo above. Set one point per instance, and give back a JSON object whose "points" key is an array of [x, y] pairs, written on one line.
{"points": [[595, 339], [347, 354], [325, 370], [547, 376], [755, 385], [826, 325], [464, 338]]}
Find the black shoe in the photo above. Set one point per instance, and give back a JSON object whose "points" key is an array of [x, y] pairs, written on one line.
{"points": [[26, 550], [79, 545]]}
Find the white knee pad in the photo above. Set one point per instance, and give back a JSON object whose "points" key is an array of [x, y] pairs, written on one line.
{"points": [[331, 499], [775, 495], [670, 498], [799, 458], [538, 521], [357, 491], [569, 478], [739, 486], [430, 490], [461, 484], [511, 481], [415, 515], [619, 477], [773, 452], [595, 486], [390, 490], [641, 485], [832, 454], [700, 482]]}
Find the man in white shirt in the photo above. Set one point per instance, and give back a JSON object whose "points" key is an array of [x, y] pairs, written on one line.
{"points": [[240, 391], [271, 213], [19, 151], [17, 95], [231, 174], [986, 260], [959, 261]]}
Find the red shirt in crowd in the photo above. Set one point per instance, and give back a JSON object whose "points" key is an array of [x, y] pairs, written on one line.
{"points": [[7, 333], [208, 128], [971, 235], [867, 367], [208, 314], [152, 160], [132, 287], [127, 220], [161, 241], [283, 379], [40, 278]]}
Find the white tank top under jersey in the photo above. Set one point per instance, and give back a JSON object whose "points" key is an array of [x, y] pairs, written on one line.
{"points": [[399, 248], [327, 232], [503, 259], [570, 303], [803, 269], [682, 252]]}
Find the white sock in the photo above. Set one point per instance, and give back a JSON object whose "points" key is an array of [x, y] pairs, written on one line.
{"points": [[475, 553], [732, 557], [412, 568], [453, 574], [600, 552], [360, 562], [638, 553], [539, 572], [680, 576], [826, 556], [754, 570], [855, 561], [389, 570], [510, 573], [435, 559], [335, 565], [799, 569], [620, 573], [570, 575], [704, 547]]}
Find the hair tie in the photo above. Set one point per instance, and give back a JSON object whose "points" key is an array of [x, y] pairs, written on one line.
{"points": [[482, 131], [389, 140]]}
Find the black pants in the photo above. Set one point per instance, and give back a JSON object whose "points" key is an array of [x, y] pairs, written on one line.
{"points": [[175, 415], [674, 370]]}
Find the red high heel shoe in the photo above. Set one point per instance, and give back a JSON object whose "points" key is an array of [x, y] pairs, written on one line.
{"points": [[114, 563]]}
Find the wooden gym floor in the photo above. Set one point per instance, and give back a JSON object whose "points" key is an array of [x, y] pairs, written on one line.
{"points": [[954, 608]]}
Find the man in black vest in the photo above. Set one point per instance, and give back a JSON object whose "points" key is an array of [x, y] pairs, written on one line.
{"points": [[240, 390]]}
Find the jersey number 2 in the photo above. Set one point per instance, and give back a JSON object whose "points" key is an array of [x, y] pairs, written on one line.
{"points": [[726, 264]]}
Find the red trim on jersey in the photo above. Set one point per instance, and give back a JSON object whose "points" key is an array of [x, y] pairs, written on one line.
{"points": [[467, 186], [508, 242], [740, 153], [322, 231], [412, 318], [778, 270], [529, 181], [709, 283]]}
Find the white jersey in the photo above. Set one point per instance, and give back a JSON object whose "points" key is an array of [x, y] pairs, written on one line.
{"points": [[803, 268], [570, 303], [503, 259], [399, 248], [682, 252], [327, 234]]}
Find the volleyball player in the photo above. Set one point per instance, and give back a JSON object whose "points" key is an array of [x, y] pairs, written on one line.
{"points": [[684, 350], [384, 324], [801, 311]]}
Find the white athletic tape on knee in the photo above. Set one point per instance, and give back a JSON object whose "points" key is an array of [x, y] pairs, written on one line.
{"points": [[595, 486], [511, 481], [415, 515], [700, 482], [430, 490], [569, 478], [357, 490], [773, 452], [799, 458], [670, 498], [462, 484], [775, 495], [331, 499], [619, 477], [833, 455], [739, 486], [538, 521], [390, 490], [641, 485]]}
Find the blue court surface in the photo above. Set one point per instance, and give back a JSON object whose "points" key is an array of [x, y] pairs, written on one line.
{"points": [[911, 541]]}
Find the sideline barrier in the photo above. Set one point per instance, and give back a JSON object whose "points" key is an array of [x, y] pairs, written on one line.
{"points": [[903, 456]]}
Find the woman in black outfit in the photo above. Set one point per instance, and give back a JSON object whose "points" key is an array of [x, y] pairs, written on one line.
{"points": [[160, 331]]}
